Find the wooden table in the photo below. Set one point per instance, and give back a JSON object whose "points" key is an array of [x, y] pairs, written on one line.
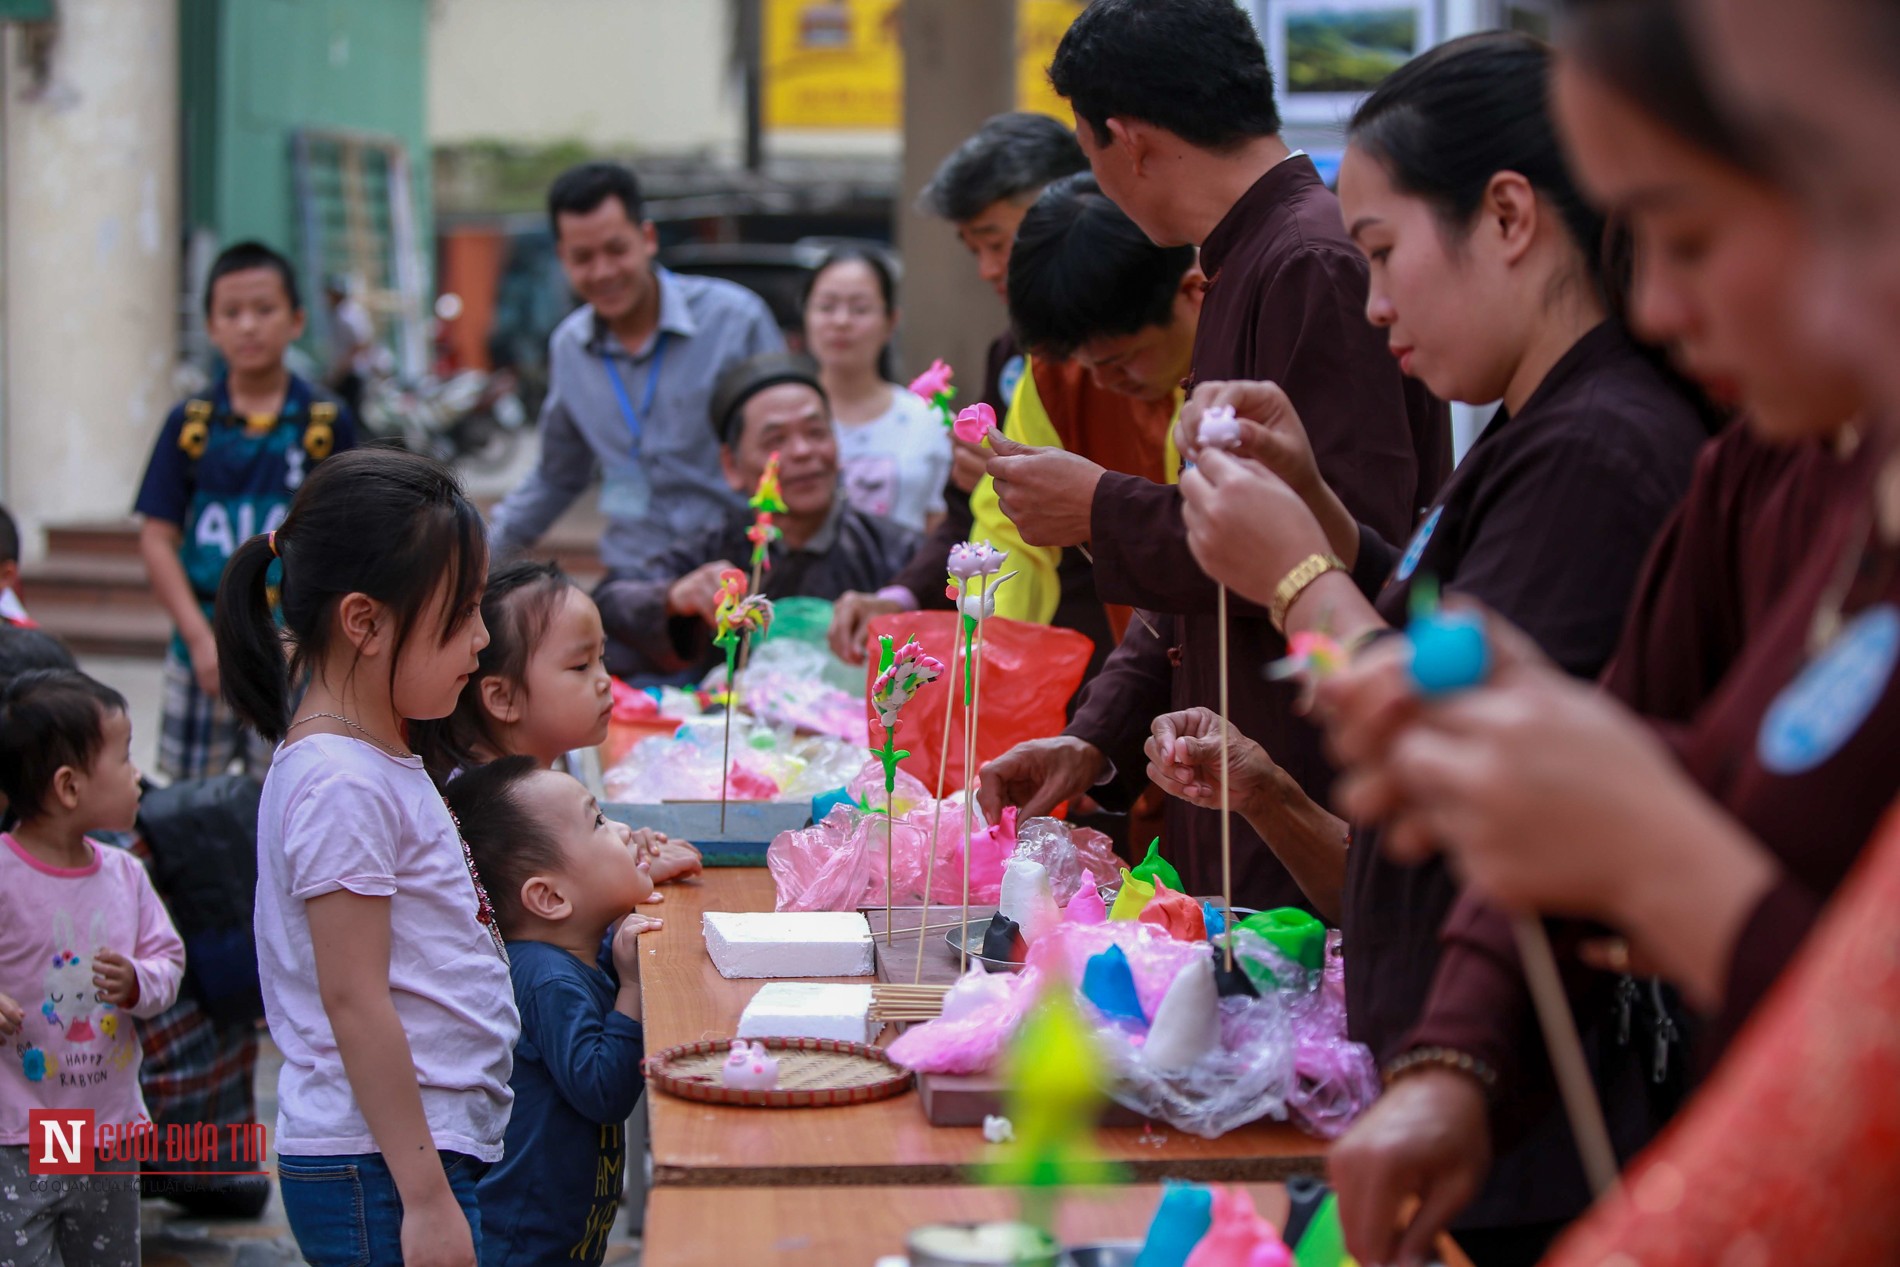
{"points": [[853, 1227], [703, 1145]]}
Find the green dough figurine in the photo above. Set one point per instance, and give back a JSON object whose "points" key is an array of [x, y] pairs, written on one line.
{"points": [[1155, 867]]}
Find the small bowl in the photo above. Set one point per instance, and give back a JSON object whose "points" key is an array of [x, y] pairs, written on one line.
{"points": [[972, 945]]}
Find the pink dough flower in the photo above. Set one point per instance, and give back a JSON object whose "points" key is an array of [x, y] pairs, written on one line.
{"points": [[933, 382], [974, 423]]}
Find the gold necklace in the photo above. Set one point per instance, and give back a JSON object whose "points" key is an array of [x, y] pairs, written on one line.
{"points": [[1877, 531], [359, 729]]}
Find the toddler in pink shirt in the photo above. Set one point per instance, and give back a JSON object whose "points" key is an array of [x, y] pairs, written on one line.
{"points": [[84, 946]]}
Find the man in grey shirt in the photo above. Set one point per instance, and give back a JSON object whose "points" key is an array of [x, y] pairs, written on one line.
{"points": [[630, 375]]}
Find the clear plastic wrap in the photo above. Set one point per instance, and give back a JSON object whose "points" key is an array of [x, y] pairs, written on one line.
{"points": [[1335, 1079], [1247, 1076], [772, 763], [838, 864], [1067, 852]]}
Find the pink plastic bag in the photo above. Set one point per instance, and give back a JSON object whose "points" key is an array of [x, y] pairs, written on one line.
{"points": [[972, 1042]]}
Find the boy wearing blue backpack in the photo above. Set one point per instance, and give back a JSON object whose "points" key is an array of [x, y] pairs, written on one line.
{"points": [[224, 469]]}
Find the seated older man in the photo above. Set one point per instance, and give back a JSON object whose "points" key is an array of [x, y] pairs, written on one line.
{"points": [[660, 623]]}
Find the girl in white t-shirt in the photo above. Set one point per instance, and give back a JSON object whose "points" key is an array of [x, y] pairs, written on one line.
{"points": [[394, 1097], [892, 448]]}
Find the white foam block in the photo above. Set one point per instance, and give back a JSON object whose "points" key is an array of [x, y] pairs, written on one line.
{"points": [[808, 1009], [788, 943]]}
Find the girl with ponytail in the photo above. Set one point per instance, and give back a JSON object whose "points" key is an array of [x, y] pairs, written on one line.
{"points": [[385, 979]]}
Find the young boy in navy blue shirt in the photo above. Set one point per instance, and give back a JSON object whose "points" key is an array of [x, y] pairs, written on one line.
{"points": [[559, 874], [224, 469]]}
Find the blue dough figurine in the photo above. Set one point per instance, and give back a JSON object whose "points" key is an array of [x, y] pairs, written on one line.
{"points": [[1109, 983], [1181, 1220]]}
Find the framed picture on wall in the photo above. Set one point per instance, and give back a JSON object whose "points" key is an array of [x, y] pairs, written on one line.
{"points": [[1327, 54]]}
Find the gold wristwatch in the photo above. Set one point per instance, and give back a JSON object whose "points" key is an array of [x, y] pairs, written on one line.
{"points": [[1291, 586]]}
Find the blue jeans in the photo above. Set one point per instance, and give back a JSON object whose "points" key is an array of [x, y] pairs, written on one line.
{"points": [[345, 1212]]}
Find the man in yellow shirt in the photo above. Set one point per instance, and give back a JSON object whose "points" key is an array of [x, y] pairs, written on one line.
{"points": [[1109, 319]]}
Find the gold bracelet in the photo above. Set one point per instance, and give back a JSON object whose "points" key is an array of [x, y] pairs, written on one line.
{"points": [[1308, 570], [1442, 1058]]}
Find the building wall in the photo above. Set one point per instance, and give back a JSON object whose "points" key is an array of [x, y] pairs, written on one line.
{"points": [[261, 69], [90, 192], [618, 76]]}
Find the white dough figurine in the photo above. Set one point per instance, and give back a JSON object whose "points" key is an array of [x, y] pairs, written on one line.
{"points": [[1219, 429], [750, 1069]]}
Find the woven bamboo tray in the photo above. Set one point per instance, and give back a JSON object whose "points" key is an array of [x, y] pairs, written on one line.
{"points": [[813, 1073]]}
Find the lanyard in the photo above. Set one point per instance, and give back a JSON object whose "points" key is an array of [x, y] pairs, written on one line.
{"points": [[636, 418]]}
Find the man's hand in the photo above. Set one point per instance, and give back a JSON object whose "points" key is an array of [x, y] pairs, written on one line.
{"points": [[1049, 494], [851, 618], [115, 978], [204, 662], [1426, 1139], [12, 1016], [1184, 760], [1039, 775], [697, 593], [966, 463]]}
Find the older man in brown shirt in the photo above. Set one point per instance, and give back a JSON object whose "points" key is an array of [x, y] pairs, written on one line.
{"points": [[1189, 147]]}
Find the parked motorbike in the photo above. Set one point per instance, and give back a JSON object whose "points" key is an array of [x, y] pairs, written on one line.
{"points": [[471, 418]]}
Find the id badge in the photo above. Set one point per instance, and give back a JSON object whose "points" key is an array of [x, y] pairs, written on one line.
{"points": [[626, 494]]}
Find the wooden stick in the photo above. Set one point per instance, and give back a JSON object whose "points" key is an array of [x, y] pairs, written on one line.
{"points": [[890, 853], [725, 751], [943, 773], [1226, 813], [969, 761], [1566, 1053]]}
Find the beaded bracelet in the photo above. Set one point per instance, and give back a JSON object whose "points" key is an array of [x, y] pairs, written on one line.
{"points": [[1442, 1058]]}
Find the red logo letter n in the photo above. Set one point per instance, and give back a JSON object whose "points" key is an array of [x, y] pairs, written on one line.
{"points": [[59, 1142]]}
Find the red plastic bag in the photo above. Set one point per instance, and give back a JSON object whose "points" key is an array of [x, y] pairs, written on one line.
{"points": [[1029, 673]]}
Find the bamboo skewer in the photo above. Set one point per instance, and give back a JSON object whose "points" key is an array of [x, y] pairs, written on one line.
{"points": [[1566, 1053], [1226, 808], [943, 773], [969, 755]]}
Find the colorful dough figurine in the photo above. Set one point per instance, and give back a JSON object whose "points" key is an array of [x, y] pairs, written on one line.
{"points": [[1086, 907], [1187, 1024], [1181, 1220], [1239, 1237], [1109, 983], [974, 423], [1003, 940], [1219, 429], [1155, 867], [1295, 934], [1028, 898], [1176, 914], [750, 1068], [1134, 895]]}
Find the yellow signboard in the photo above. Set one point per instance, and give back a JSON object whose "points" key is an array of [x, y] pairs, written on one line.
{"points": [[1040, 26], [836, 65]]}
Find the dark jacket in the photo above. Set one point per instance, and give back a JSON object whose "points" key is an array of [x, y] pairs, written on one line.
{"points": [[1285, 301], [853, 551]]}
